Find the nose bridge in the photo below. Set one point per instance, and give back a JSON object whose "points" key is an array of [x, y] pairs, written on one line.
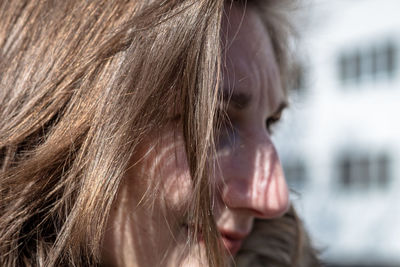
{"points": [[259, 184]]}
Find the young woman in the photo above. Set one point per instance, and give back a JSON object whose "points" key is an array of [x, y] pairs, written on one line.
{"points": [[137, 133]]}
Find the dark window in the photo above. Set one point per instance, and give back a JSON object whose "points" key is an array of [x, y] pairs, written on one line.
{"points": [[345, 171], [375, 68], [363, 172], [377, 62], [343, 69], [390, 59], [298, 74], [350, 67], [355, 73]]}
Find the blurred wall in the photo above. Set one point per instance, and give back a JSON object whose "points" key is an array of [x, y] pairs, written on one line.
{"points": [[339, 141]]}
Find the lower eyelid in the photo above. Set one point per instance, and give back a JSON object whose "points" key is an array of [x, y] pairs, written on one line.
{"points": [[227, 135]]}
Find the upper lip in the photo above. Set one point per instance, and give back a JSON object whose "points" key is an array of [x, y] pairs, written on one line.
{"points": [[232, 234], [229, 234]]}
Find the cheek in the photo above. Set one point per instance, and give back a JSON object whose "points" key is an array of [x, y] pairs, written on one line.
{"points": [[151, 205], [175, 178], [164, 174]]}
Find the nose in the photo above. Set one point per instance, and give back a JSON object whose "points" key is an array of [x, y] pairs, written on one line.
{"points": [[255, 182]]}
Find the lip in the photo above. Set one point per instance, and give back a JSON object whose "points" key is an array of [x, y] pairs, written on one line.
{"points": [[232, 240]]}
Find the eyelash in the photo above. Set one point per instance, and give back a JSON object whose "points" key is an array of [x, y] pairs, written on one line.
{"points": [[271, 121]]}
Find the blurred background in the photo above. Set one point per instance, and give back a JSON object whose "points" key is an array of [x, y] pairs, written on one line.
{"points": [[339, 142]]}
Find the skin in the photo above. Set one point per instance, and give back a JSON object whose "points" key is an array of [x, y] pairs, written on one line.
{"points": [[147, 226]]}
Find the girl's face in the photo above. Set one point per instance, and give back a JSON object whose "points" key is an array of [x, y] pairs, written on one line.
{"points": [[250, 180]]}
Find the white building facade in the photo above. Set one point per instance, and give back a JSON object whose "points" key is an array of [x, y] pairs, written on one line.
{"points": [[340, 140]]}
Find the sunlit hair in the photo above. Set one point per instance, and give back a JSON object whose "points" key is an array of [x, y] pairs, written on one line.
{"points": [[81, 84]]}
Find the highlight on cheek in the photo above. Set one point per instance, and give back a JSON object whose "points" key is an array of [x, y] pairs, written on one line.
{"points": [[154, 199], [166, 169]]}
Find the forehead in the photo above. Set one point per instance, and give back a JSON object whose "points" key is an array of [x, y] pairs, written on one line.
{"points": [[249, 59], [242, 22]]}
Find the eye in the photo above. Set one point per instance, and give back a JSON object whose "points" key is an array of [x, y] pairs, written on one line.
{"points": [[275, 117], [225, 134], [272, 121]]}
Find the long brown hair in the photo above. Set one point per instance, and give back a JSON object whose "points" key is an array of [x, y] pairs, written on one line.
{"points": [[81, 83]]}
